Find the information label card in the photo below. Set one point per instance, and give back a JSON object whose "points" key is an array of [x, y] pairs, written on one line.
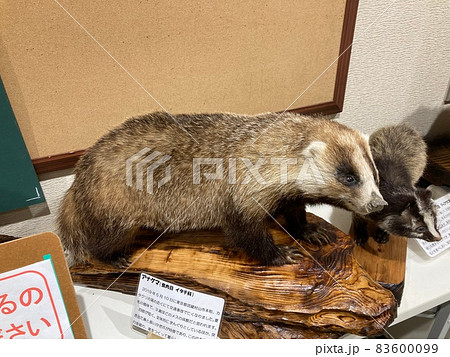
{"points": [[443, 226], [31, 304], [171, 311]]}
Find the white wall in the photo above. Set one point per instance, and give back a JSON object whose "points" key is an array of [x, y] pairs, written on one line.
{"points": [[400, 65], [399, 72], [54, 189]]}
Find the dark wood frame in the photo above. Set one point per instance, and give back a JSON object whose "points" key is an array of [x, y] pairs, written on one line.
{"points": [[68, 160], [348, 30]]}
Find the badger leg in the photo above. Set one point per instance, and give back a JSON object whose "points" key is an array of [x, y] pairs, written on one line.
{"points": [[254, 238], [83, 236], [298, 227], [111, 242], [73, 240], [295, 216], [360, 230]]}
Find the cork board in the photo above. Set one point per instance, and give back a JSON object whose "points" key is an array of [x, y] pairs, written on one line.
{"points": [[25, 251], [205, 56]]}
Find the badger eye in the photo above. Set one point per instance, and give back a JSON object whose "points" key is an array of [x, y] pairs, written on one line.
{"points": [[349, 180], [346, 175], [421, 229]]}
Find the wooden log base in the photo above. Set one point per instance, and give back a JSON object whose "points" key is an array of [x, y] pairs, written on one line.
{"points": [[324, 294], [259, 330], [385, 263]]}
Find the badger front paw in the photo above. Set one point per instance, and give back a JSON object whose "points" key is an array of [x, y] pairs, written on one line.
{"points": [[291, 254], [315, 234], [285, 255], [120, 260], [381, 236], [361, 239]]}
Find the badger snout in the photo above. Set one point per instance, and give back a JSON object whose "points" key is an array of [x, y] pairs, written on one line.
{"points": [[376, 204], [434, 239]]}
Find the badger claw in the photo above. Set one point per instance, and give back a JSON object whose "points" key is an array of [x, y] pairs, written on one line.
{"points": [[361, 240], [120, 261], [292, 253], [287, 255], [315, 234]]}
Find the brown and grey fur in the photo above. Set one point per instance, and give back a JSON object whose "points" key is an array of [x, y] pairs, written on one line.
{"points": [[404, 145], [100, 213], [400, 154]]}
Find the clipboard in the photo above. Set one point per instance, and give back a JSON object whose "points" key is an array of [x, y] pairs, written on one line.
{"points": [[24, 251]]}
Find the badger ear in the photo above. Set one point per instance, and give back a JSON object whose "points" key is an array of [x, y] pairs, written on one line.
{"points": [[423, 194], [406, 213], [314, 149]]}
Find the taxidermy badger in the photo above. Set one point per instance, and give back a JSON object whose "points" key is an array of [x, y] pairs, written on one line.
{"points": [[295, 160], [400, 155]]}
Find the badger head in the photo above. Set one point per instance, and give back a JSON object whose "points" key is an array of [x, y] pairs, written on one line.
{"points": [[348, 173], [419, 217], [416, 218]]}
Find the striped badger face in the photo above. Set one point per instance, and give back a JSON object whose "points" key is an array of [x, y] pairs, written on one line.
{"points": [[350, 179], [417, 218], [427, 224]]}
